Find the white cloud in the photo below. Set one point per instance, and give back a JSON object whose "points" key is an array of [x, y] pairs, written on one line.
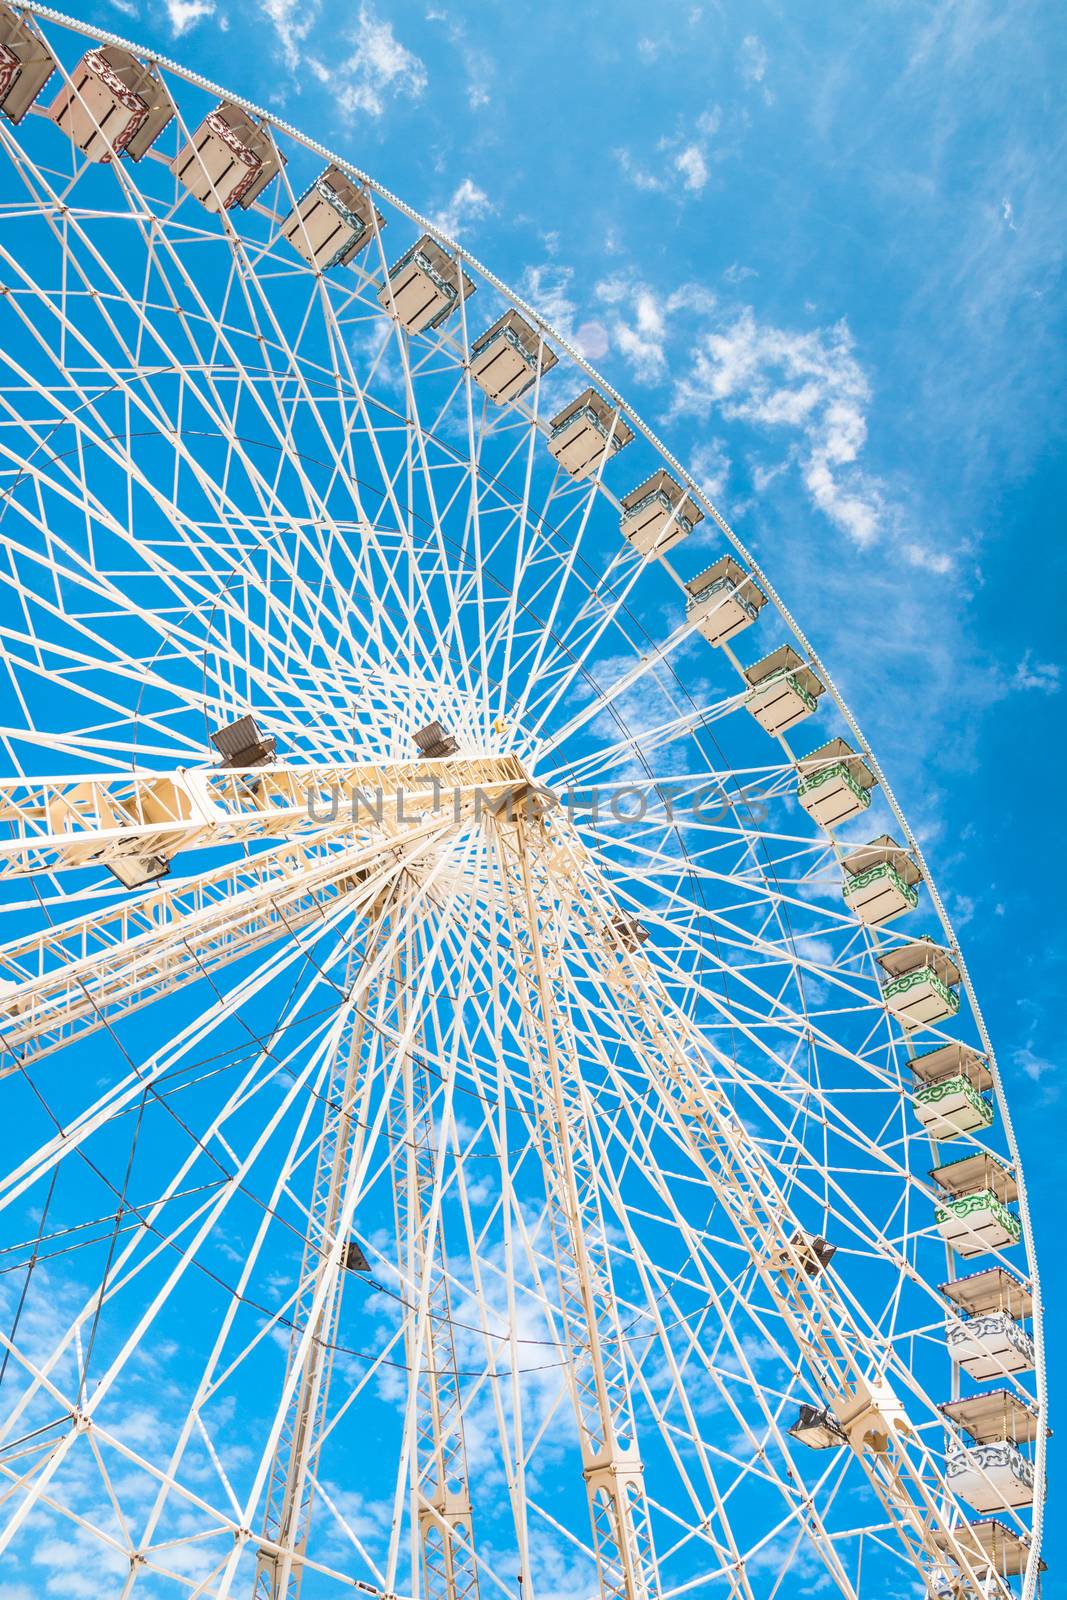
{"points": [[685, 156], [710, 466], [1034, 1066], [467, 204], [642, 340], [692, 164], [1042, 675], [378, 69], [753, 58], [1007, 212], [184, 14], [292, 21], [809, 384], [926, 558], [547, 288], [592, 340]]}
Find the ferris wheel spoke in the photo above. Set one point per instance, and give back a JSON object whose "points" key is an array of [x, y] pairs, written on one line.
{"points": [[110, 654], [203, 1219], [250, 471]]}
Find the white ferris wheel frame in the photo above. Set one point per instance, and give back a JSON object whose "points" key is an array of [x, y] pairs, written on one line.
{"points": [[716, 1124]]}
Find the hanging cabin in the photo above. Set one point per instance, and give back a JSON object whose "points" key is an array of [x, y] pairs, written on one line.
{"points": [[585, 433], [658, 515], [951, 1088], [993, 1550], [422, 288], [526, 802], [723, 600], [990, 1473], [881, 881], [506, 359], [834, 784], [973, 1216], [26, 64], [113, 106], [229, 160], [920, 983], [354, 1259], [987, 1337], [242, 744], [782, 690], [332, 221]]}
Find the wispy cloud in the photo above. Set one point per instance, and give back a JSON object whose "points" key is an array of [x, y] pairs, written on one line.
{"points": [[681, 162], [292, 20], [692, 163], [379, 69], [548, 288], [753, 59], [467, 204], [368, 68], [184, 14], [641, 340], [1043, 675], [805, 385]]}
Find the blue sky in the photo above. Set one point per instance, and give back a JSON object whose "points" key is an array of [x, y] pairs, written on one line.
{"points": [[821, 250]]}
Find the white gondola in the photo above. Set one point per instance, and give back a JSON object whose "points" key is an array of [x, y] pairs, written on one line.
{"points": [[993, 1550], [26, 64], [952, 1083], [114, 105], [658, 515], [229, 160], [723, 600], [880, 881], [506, 358], [991, 1473], [332, 222], [974, 1217], [987, 1338], [920, 984], [834, 784], [422, 289], [586, 432], [782, 690], [990, 1346]]}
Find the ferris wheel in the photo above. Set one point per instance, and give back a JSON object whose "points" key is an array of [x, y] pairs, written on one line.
{"points": [[493, 1101]]}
